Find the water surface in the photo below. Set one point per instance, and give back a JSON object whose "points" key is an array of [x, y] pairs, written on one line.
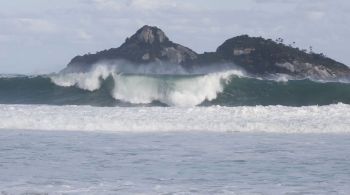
{"points": [[61, 162]]}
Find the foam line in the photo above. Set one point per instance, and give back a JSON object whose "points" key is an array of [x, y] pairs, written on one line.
{"points": [[276, 119]]}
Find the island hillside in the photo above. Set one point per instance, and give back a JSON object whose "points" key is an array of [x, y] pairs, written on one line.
{"points": [[256, 55]]}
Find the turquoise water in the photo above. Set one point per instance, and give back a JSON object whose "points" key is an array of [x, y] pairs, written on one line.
{"points": [[67, 162]]}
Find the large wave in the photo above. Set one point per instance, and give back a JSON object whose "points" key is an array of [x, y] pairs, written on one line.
{"points": [[160, 85], [174, 90]]}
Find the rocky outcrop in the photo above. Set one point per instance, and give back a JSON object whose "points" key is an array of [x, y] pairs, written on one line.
{"points": [[148, 44], [264, 56], [254, 54]]}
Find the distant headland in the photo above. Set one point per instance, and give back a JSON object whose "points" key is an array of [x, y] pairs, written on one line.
{"points": [[255, 55]]}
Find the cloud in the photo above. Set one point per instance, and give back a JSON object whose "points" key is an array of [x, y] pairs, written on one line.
{"points": [[315, 15], [83, 35], [141, 5], [153, 4], [108, 4], [35, 25], [5, 38]]}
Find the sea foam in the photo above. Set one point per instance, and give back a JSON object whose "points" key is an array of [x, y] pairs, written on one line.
{"points": [[277, 119]]}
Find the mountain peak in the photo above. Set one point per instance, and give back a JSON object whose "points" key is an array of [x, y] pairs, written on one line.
{"points": [[150, 35], [148, 44]]}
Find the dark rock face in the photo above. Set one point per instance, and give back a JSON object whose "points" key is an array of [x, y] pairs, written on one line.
{"points": [[148, 44], [255, 55], [261, 56]]}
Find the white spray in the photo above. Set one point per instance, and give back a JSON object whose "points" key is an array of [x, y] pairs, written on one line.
{"points": [[171, 85]]}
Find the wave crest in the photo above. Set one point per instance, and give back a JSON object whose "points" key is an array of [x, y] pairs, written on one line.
{"points": [[174, 90]]}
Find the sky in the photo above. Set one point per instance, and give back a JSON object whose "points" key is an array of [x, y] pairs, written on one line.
{"points": [[42, 36]]}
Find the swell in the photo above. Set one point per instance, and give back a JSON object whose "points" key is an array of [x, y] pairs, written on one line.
{"points": [[40, 90], [224, 89], [251, 92]]}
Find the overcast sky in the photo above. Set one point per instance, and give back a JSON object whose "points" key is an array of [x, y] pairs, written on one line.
{"points": [[41, 36]]}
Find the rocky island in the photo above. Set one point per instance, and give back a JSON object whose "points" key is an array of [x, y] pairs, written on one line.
{"points": [[256, 55]]}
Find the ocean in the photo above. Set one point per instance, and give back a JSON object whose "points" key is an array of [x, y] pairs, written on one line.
{"points": [[76, 162], [226, 132]]}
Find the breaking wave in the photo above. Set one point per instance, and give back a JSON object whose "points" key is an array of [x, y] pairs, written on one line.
{"points": [[172, 90], [168, 86]]}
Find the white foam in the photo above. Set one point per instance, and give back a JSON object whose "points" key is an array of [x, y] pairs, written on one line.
{"points": [[178, 90], [277, 119], [10, 76], [183, 91], [85, 80]]}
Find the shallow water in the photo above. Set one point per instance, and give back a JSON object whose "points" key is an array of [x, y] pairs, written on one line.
{"points": [[67, 162]]}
